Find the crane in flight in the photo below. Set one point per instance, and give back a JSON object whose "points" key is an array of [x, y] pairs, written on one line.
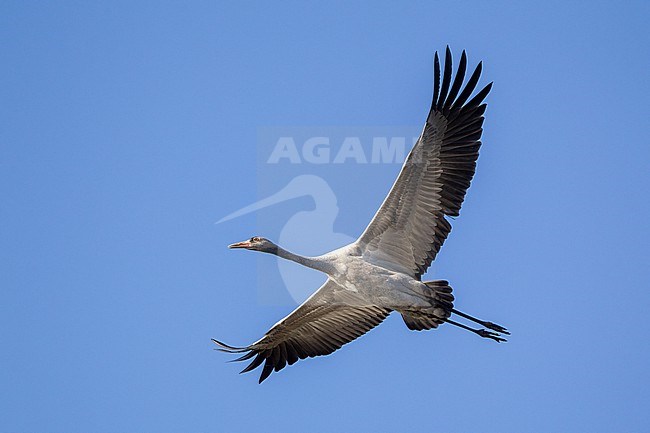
{"points": [[382, 271]]}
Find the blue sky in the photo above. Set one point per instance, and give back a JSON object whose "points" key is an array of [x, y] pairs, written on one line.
{"points": [[128, 129]]}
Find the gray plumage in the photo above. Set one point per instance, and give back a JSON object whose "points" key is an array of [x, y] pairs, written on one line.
{"points": [[381, 272]]}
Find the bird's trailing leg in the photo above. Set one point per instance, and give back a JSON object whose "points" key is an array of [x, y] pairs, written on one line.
{"points": [[489, 325], [480, 332]]}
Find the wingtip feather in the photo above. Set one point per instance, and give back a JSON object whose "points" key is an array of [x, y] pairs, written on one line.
{"points": [[227, 348], [266, 372]]}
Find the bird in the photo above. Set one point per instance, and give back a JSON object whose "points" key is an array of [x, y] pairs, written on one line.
{"points": [[381, 272]]}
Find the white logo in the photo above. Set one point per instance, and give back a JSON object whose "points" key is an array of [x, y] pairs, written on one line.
{"points": [[293, 163]]}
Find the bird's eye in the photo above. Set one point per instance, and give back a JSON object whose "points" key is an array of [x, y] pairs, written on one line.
{"points": [[255, 239]]}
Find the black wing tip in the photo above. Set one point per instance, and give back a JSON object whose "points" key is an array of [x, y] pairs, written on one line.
{"points": [[436, 82], [266, 371], [260, 356], [446, 80], [477, 100], [443, 100], [447, 50], [262, 379], [477, 71], [227, 348]]}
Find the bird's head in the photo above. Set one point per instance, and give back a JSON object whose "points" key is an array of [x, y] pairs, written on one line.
{"points": [[257, 243]]}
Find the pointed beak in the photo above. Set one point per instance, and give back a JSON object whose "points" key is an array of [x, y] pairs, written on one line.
{"points": [[245, 244]]}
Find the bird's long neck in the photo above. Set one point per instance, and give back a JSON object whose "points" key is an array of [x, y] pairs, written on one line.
{"points": [[317, 263]]}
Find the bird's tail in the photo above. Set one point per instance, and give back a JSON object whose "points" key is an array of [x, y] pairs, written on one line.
{"points": [[442, 302]]}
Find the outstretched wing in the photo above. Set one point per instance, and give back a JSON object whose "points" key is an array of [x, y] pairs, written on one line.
{"points": [[409, 228], [330, 318]]}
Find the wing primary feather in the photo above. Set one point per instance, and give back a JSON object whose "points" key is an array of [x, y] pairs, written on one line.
{"points": [[230, 349], [249, 355], [282, 361], [268, 369], [446, 79], [469, 87], [436, 82], [458, 82], [480, 96], [253, 365]]}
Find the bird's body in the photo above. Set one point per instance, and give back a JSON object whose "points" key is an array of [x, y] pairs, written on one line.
{"points": [[373, 283], [382, 270]]}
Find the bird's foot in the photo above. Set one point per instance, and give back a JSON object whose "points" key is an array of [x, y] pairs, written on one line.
{"points": [[489, 334], [498, 328]]}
